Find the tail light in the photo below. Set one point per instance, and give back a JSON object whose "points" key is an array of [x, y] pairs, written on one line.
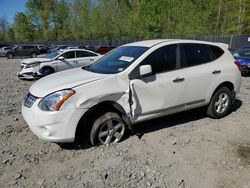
{"points": [[237, 63]]}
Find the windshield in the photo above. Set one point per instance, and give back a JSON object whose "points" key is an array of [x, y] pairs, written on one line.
{"points": [[117, 60], [53, 55]]}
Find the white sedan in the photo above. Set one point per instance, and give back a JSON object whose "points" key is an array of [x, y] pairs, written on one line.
{"points": [[33, 68]]}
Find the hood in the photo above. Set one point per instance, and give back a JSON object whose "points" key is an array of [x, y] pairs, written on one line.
{"points": [[63, 80], [34, 60]]}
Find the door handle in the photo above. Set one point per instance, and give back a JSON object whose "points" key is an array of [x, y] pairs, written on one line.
{"points": [[75, 61], [91, 59], [216, 72], [179, 79]]}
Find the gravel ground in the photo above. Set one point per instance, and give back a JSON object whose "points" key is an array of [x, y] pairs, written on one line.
{"points": [[183, 150]]}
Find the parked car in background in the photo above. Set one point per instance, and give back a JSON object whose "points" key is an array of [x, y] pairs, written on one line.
{"points": [[88, 47], [57, 61], [242, 56], [4, 50], [4, 45], [43, 49], [103, 49], [133, 83], [22, 51], [57, 47]]}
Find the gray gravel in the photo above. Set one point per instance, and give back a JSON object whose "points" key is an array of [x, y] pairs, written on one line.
{"points": [[184, 150]]}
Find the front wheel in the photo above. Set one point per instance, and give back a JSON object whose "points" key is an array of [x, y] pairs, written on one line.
{"points": [[10, 55], [33, 55], [220, 104], [45, 71], [107, 129]]}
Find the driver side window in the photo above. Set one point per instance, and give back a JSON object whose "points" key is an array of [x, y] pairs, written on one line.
{"points": [[162, 59]]}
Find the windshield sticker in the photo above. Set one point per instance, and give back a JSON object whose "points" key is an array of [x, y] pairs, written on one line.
{"points": [[120, 69], [126, 58]]}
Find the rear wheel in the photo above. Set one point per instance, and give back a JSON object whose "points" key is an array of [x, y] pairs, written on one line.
{"points": [[109, 128], [10, 55], [220, 104]]}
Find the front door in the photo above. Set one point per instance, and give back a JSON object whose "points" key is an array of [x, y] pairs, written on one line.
{"points": [[68, 62], [163, 92]]}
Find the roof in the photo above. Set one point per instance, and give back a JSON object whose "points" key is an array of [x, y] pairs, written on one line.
{"points": [[151, 43], [76, 49]]}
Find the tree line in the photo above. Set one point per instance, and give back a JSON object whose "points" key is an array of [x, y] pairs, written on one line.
{"points": [[61, 20]]}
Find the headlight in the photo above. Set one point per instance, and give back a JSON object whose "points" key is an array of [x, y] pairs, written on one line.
{"points": [[54, 101], [32, 65]]}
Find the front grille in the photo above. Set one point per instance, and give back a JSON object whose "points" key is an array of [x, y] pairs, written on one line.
{"points": [[29, 100]]}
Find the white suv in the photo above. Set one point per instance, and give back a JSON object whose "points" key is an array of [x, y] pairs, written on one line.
{"points": [[57, 61], [133, 83]]}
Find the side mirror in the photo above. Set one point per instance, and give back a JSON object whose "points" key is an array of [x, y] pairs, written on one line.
{"points": [[145, 70], [61, 58]]}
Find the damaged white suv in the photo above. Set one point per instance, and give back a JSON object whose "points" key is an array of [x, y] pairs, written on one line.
{"points": [[133, 83]]}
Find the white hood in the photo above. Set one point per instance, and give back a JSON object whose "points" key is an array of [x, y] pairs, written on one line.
{"points": [[34, 60], [63, 80]]}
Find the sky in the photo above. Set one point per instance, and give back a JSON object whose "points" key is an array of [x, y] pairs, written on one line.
{"points": [[9, 8]]}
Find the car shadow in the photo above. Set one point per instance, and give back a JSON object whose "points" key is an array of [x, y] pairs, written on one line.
{"points": [[176, 119], [157, 124]]}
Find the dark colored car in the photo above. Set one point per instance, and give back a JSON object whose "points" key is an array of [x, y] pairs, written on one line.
{"points": [[4, 45], [242, 56], [91, 48], [22, 50], [104, 49], [42, 49], [55, 48]]}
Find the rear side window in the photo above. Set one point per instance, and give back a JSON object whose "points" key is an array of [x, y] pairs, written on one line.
{"points": [[162, 59], [217, 52], [84, 54], [195, 54]]}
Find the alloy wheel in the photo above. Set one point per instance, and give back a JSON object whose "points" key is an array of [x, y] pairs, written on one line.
{"points": [[111, 132], [222, 103]]}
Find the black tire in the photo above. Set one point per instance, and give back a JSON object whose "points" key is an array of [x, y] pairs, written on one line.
{"points": [[108, 129], [47, 71], [220, 104], [9, 55], [32, 55]]}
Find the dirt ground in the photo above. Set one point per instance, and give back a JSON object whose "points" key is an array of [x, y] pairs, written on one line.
{"points": [[187, 150]]}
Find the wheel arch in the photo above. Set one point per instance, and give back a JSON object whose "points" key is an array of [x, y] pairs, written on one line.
{"points": [[47, 67], [227, 84], [84, 124]]}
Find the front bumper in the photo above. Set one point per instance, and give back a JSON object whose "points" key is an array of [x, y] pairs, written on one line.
{"points": [[58, 126], [28, 76], [28, 73]]}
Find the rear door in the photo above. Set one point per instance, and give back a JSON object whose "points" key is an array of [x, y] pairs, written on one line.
{"points": [[202, 71], [85, 58]]}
